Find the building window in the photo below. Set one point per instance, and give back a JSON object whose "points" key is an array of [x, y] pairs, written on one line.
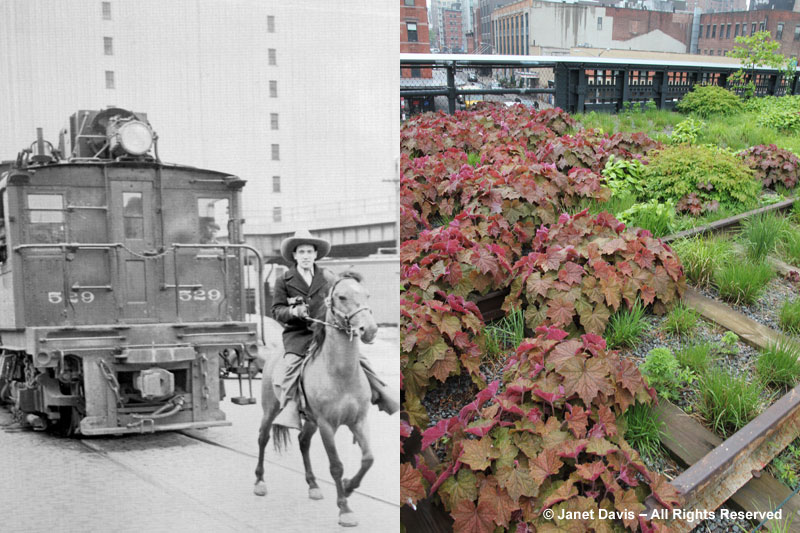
{"points": [[416, 72], [270, 24], [276, 184], [412, 31], [779, 32], [276, 214], [753, 29], [719, 52], [714, 31], [276, 152], [736, 31], [728, 31], [599, 23], [273, 88], [273, 56], [797, 33], [761, 26], [106, 10], [273, 121], [409, 3], [133, 215], [109, 79], [46, 216], [108, 46]]}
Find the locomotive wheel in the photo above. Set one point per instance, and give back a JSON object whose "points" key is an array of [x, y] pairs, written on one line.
{"points": [[67, 425]]}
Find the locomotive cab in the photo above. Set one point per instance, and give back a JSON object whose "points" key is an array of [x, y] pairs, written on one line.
{"points": [[121, 282]]}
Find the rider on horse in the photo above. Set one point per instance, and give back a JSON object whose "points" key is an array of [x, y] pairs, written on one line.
{"points": [[299, 294]]}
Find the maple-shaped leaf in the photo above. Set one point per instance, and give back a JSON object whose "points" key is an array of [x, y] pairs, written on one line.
{"points": [[612, 246], [600, 447], [497, 499], [648, 294], [590, 471], [433, 353], [471, 518], [571, 273], [478, 454], [577, 420], [627, 374], [666, 494], [561, 310], [626, 500], [517, 481], [412, 488], [553, 258], [608, 419], [596, 320], [563, 352], [586, 378], [612, 290], [480, 427], [536, 284], [565, 491], [448, 324], [570, 449], [484, 261], [407, 341], [417, 415], [546, 464], [462, 486], [443, 368], [528, 443]]}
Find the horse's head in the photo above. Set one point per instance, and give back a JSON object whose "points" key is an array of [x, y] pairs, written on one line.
{"points": [[350, 306]]}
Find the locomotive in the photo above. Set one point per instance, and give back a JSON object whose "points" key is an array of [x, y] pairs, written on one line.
{"points": [[121, 282]]}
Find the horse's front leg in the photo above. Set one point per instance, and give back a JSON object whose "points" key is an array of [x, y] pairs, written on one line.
{"points": [[346, 516], [309, 428], [260, 488], [361, 435]]}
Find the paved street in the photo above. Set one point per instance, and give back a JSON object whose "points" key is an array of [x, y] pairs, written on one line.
{"points": [[174, 482]]}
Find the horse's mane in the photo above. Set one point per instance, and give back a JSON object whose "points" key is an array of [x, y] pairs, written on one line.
{"points": [[319, 329]]}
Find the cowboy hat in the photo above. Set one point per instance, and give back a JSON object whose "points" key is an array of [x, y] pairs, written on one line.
{"points": [[303, 236]]}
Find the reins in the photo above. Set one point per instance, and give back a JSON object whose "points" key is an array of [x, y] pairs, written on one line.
{"points": [[345, 326]]}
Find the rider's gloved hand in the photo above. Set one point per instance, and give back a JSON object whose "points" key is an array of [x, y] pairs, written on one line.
{"points": [[300, 311]]}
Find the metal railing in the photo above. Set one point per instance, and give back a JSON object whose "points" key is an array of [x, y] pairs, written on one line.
{"points": [[432, 82]]}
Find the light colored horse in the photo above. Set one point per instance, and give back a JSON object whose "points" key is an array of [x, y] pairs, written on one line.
{"points": [[337, 392]]}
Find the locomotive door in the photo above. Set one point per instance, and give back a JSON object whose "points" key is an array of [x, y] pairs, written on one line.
{"points": [[133, 225]]}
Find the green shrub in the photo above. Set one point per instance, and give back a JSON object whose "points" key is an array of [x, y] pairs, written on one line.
{"points": [[643, 429], [695, 357], [701, 256], [624, 176], [789, 316], [743, 281], [664, 374], [708, 100], [728, 344], [626, 326], [713, 175], [727, 402], [681, 320], [790, 246], [654, 216], [779, 365], [761, 233], [686, 131]]}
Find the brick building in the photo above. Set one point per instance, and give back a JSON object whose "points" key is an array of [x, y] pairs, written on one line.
{"points": [[718, 31], [414, 36], [716, 6], [452, 37]]}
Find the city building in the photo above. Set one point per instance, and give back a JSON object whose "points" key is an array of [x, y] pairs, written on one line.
{"points": [[295, 97], [718, 31], [414, 34], [452, 36]]}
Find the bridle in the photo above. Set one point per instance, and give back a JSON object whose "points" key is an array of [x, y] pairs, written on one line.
{"points": [[342, 320]]}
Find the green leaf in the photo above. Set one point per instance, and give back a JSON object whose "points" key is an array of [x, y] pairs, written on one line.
{"points": [[478, 454], [517, 481], [462, 486]]}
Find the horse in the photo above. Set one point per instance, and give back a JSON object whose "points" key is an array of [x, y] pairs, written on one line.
{"points": [[336, 389]]}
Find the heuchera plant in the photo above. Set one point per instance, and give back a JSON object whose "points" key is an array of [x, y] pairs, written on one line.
{"points": [[547, 440], [772, 165], [583, 268]]}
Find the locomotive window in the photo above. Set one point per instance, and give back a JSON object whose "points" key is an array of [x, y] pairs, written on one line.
{"points": [[212, 221], [46, 212], [133, 215]]}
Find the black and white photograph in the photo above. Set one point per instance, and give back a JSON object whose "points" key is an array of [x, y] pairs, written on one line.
{"points": [[199, 265]]}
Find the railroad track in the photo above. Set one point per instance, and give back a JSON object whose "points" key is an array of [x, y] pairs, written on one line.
{"points": [[718, 471]]}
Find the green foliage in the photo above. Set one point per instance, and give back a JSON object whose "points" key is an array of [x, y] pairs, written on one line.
{"points": [[761, 233], [711, 175], [708, 100], [779, 364], [729, 344], [643, 429], [626, 326], [624, 175], [695, 357], [701, 256], [727, 402], [656, 217], [664, 374], [743, 281], [506, 334], [686, 131], [789, 316], [790, 245], [681, 320], [474, 159], [786, 466], [757, 50]]}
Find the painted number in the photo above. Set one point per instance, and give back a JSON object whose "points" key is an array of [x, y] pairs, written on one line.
{"points": [[200, 295], [56, 297]]}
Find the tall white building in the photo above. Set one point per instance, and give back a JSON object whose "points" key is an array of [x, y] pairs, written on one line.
{"points": [[299, 98]]}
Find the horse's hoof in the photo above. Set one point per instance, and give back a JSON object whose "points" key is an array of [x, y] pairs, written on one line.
{"points": [[348, 520], [315, 493], [260, 489]]}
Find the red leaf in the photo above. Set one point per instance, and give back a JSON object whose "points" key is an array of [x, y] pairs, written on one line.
{"points": [[484, 260], [577, 420], [591, 471], [411, 487], [586, 378], [561, 310], [470, 518], [498, 500], [665, 493], [571, 273], [546, 464]]}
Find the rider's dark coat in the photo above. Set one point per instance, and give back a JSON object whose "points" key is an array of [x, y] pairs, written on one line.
{"points": [[297, 332]]}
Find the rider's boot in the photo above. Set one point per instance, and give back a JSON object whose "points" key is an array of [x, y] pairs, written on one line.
{"points": [[289, 416]]}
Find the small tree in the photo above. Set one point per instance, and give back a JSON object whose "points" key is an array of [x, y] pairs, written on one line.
{"points": [[759, 50]]}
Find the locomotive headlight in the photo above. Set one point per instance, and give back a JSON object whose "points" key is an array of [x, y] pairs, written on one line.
{"points": [[135, 137]]}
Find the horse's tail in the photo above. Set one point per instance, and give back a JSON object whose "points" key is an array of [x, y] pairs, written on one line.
{"points": [[280, 438]]}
